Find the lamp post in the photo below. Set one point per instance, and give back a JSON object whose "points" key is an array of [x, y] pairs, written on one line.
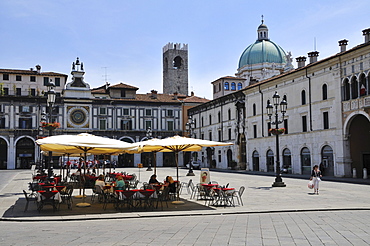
{"points": [[190, 126], [50, 103], [276, 131], [149, 136]]}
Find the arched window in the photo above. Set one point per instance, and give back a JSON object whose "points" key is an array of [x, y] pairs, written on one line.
{"points": [[306, 161], [303, 97], [240, 86], [254, 109], [233, 86], [346, 90], [177, 62], [229, 114], [227, 86], [363, 89], [270, 161], [354, 87], [287, 161], [256, 160], [324, 92]]}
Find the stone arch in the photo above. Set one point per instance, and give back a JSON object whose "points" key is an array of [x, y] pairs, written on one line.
{"points": [[287, 160], [256, 160], [25, 152], [126, 160], [229, 155], [305, 155], [350, 117], [177, 62], [327, 160], [346, 89], [127, 139], [4, 146], [354, 87], [363, 85], [270, 160]]}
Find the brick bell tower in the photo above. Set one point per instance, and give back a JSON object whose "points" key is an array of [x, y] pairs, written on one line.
{"points": [[175, 68]]}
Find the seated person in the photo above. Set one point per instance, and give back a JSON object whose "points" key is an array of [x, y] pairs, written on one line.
{"points": [[120, 184], [171, 184], [153, 179], [100, 181]]}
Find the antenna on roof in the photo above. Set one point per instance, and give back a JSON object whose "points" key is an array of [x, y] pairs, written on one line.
{"points": [[314, 43], [105, 74]]}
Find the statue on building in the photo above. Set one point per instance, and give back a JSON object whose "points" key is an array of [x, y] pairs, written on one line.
{"points": [[288, 66]]}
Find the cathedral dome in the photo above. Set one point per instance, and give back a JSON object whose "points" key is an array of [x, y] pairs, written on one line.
{"points": [[263, 50]]}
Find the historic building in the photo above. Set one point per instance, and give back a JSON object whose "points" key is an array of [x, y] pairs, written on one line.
{"points": [[115, 111], [327, 120]]}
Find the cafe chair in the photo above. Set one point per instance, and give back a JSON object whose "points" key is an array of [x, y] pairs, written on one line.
{"points": [[238, 195], [67, 196], [33, 187], [163, 197], [186, 185], [29, 197]]}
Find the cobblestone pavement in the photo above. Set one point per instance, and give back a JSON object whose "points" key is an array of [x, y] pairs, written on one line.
{"points": [[299, 228], [270, 216]]}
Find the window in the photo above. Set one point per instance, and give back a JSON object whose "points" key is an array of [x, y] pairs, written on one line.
{"points": [[219, 156], [148, 124], [326, 120], [25, 109], [229, 114], [5, 76], [57, 81], [233, 86], [344, 71], [286, 126], [6, 91], [240, 86], [227, 86], [361, 66], [304, 123], [123, 93], [177, 62], [2, 122], [103, 124], [126, 111], [219, 117], [210, 119], [303, 97], [219, 136], [210, 136], [148, 112], [46, 81], [202, 122], [214, 89], [25, 123], [202, 136], [18, 78], [324, 92], [353, 68], [18, 92], [254, 109], [170, 125], [126, 125], [33, 92], [33, 78], [102, 111], [268, 128], [229, 133], [219, 87], [170, 113], [255, 131]]}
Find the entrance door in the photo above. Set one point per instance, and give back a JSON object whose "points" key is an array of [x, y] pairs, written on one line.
{"points": [[4, 154], [327, 167]]}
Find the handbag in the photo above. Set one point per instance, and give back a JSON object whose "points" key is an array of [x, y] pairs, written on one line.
{"points": [[310, 184]]}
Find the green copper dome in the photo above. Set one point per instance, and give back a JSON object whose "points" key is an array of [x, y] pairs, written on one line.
{"points": [[263, 50]]}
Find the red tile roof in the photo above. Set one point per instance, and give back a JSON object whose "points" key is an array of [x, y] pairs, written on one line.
{"points": [[29, 72]]}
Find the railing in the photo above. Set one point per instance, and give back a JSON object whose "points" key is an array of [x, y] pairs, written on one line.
{"points": [[354, 104]]}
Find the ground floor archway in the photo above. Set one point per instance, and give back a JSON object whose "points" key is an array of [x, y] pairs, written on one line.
{"points": [[327, 161], [25, 153], [4, 154]]}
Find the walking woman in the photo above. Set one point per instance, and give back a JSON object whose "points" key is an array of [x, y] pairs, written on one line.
{"points": [[315, 177]]}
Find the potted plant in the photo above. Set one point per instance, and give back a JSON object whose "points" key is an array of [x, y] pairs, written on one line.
{"points": [[50, 126], [277, 131]]}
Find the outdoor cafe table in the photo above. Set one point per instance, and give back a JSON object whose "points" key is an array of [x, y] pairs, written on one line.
{"points": [[48, 197], [210, 186], [223, 197], [137, 197]]}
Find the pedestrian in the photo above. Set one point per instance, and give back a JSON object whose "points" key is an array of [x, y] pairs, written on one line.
{"points": [[316, 178]]}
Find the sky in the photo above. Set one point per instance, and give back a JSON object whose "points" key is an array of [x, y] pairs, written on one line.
{"points": [[122, 40]]}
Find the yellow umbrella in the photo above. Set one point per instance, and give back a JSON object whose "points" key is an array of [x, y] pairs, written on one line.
{"points": [[82, 143], [177, 144]]}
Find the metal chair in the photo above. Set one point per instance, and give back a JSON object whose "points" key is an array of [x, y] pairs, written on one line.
{"points": [[238, 194], [29, 197]]}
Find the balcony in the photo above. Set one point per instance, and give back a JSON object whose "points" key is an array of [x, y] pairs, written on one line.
{"points": [[355, 104]]}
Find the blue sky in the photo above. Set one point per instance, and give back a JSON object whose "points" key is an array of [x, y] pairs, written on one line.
{"points": [[126, 37]]}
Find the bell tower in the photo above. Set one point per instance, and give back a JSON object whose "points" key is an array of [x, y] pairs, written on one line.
{"points": [[175, 68]]}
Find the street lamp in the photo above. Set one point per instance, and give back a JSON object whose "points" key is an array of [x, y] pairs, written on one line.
{"points": [[50, 103], [276, 131], [190, 126], [149, 136]]}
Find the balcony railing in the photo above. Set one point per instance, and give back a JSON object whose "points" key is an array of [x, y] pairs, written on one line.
{"points": [[358, 103]]}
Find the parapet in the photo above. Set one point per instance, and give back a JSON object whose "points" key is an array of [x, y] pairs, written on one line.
{"points": [[175, 46]]}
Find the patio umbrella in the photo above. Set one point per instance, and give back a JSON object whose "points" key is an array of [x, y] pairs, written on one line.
{"points": [[176, 144], [82, 143]]}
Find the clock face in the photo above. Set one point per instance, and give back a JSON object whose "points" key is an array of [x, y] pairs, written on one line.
{"points": [[77, 117]]}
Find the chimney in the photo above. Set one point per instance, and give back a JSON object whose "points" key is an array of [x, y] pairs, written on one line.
{"points": [[38, 68], [301, 61], [175, 95], [154, 94], [343, 45], [366, 33], [313, 56], [192, 93], [31, 69]]}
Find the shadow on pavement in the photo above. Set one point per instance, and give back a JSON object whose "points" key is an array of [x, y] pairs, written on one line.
{"points": [[17, 210]]}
